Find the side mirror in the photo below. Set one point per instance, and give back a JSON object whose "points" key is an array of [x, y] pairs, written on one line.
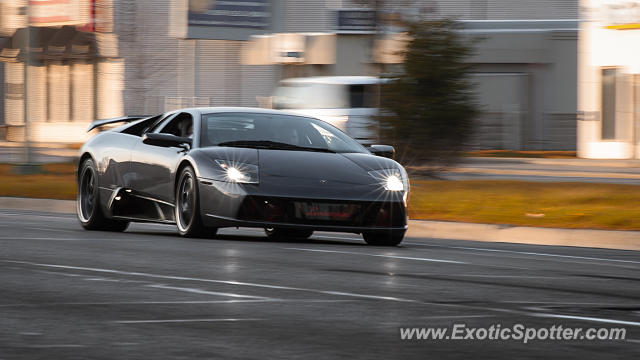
{"points": [[383, 150], [166, 140]]}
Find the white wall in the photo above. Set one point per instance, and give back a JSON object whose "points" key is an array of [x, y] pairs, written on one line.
{"points": [[600, 47]]}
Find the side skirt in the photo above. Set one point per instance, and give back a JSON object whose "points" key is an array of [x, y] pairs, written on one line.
{"points": [[127, 204]]}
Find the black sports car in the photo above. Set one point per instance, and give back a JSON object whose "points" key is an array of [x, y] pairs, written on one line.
{"points": [[208, 168]]}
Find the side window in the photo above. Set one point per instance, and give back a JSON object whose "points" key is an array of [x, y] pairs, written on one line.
{"points": [[157, 124], [181, 125], [138, 128]]}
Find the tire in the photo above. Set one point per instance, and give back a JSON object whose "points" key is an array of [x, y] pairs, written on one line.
{"points": [[287, 234], [384, 238], [187, 206], [88, 206]]}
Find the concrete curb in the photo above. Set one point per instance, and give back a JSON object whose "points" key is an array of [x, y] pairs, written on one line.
{"points": [[623, 163], [621, 240], [48, 205]]}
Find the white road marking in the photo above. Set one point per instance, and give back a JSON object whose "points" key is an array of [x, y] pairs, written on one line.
{"points": [[55, 346], [184, 278], [379, 255], [455, 316], [100, 279], [587, 318], [50, 229], [21, 238], [59, 273], [633, 341], [184, 302], [367, 296], [564, 303], [14, 238], [513, 276], [445, 317], [205, 292], [90, 278], [181, 321], [528, 253]]}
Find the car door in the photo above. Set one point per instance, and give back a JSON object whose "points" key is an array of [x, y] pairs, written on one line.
{"points": [[112, 153], [154, 167]]}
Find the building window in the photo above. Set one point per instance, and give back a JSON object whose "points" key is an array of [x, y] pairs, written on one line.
{"points": [[609, 79], [14, 91]]}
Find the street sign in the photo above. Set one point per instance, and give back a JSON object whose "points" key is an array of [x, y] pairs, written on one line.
{"points": [[355, 21], [254, 14]]}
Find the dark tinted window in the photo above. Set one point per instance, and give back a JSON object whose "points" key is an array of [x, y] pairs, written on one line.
{"points": [[158, 123], [221, 128], [181, 125], [138, 128]]}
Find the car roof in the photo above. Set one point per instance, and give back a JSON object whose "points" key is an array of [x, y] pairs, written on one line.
{"points": [[338, 80], [253, 110]]}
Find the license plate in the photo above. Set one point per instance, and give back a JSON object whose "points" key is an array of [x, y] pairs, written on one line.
{"points": [[325, 211]]}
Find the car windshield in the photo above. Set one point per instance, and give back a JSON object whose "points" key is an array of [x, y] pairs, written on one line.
{"points": [[275, 131]]}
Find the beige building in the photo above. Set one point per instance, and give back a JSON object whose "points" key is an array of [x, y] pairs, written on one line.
{"points": [[73, 74], [159, 55]]}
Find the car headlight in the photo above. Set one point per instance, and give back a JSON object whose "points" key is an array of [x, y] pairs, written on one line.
{"points": [[235, 172], [391, 179]]}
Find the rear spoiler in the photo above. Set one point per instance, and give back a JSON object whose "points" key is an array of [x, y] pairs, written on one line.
{"points": [[103, 122]]}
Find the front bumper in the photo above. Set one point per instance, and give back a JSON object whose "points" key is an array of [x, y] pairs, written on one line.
{"points": [[246, 205]]}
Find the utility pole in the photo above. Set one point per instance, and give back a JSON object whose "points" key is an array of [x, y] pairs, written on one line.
{"points": [[27, 165]]}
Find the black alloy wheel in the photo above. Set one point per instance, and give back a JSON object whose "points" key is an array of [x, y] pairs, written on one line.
{"points": [[88, 201], [187, 207]]}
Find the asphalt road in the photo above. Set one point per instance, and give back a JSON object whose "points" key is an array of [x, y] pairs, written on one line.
{"points": [[66, 293]]}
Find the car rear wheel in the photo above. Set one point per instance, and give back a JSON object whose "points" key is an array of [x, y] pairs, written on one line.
{"points": [[187, 207], [285, 234], [383, 238], [88, 201]]}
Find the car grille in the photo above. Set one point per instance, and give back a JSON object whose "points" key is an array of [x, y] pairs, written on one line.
{"points": [[323, 212]]}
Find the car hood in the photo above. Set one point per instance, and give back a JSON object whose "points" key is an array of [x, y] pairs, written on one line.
{"points": [[303, 168], [286, 166]]}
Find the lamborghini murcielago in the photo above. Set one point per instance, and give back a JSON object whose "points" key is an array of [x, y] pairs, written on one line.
{"points": [[207, 168]]}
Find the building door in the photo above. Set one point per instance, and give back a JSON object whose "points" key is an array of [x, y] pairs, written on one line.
{"points": [[504, 103]]}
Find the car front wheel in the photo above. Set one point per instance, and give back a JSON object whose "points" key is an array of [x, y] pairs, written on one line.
{"points": [[187, 206]]}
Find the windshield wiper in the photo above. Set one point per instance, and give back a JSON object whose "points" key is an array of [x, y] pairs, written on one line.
{"points": [[272, 145]]}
